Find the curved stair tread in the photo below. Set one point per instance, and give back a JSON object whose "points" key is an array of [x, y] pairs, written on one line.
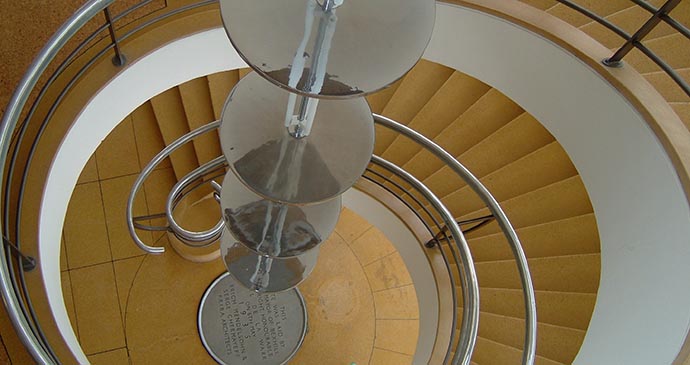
{"points": [[560, 200], [451, 100], [149, 140], [555, 343], [198, 108], [520, 137], [602, 8], [415, 90], [491, 112], [172, 122], [378, 100], [666, 48], [220, 84], [564, 309], [630, 20], [667, 87], [488, 352], [569, 236], [541, 168], [572, 273]]}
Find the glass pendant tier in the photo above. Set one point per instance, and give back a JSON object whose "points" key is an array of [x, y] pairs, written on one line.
{"points": [[263, 274], [286, 149], [275, 229], [330, 48]]}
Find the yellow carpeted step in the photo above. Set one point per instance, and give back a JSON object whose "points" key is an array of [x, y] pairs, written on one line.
{"points": [[543, 167], [573, 273], [560, 200], [668, 48], [571, 310], [172, 122], [415, 90], [491, 112], [570, 236], [488, 352], [378, 100], [454, 97], [220, 84], [198, 108], [630, 20], [518, 138], [667, 87], [148, 135], [601, 8], [555, 343]]}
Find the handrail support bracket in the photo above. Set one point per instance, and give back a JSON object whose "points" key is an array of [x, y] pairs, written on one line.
{"points": [[119, 59], [28, 262]]}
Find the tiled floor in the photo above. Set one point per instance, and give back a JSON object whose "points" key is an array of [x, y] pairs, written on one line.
{"points": [[127, 307]]}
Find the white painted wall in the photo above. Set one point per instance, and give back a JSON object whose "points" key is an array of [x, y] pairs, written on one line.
{"points": [[643, 307]]}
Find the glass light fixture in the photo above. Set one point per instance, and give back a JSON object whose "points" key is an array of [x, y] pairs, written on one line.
{"points": [[330, 48], [313, 166], [272, 228], [264, 274]]}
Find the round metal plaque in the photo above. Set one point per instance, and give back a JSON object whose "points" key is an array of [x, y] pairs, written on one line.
{"points": [[240, 327], [274, 164], [357, 47], [275, 229]]}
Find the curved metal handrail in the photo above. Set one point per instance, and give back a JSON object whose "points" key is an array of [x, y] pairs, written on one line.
{"points": [[39, 348], [147, 170], [470, 284], [635, 40], [502, 219], [191, 238], [9, 122], [469, 287]]}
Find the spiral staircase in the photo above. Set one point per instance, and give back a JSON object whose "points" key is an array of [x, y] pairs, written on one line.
{"points": [[514, 155]]}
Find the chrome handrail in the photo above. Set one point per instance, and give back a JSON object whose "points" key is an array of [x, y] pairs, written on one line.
{"points": [[191, 238], [458, 245], [9, 122], [470, 283], [147, 170], [635, 40], [530, 345], [41, 350]]}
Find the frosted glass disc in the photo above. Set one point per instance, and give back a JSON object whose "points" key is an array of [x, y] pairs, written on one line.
{"points": [[275, 229], [264, 274], [359, 47], [270, 161]]}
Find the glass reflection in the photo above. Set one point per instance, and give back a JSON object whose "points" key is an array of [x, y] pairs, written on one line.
{"points": [[330, 48], [263, 274], [310, 166], [275, 229]]}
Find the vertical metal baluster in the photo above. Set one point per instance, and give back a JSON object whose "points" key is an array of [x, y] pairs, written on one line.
{"points": [[28, 262], [119, 59], [646, 28]]}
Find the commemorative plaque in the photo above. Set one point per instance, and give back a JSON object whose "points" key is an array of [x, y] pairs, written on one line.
{"points": [[240, 327]]}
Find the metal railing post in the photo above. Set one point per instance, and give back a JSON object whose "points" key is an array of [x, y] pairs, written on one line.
{"points": [[646, 28], [119, 59], [28, 262]]}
